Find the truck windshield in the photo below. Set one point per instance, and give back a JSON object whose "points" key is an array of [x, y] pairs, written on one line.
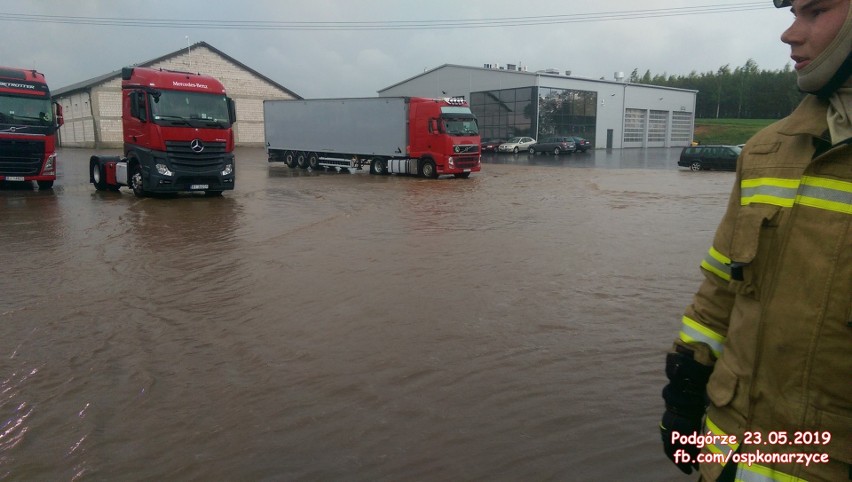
{"points": [[26, 111], [461, 126], [190, 109]]}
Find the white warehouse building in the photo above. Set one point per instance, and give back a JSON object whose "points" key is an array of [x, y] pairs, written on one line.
{"points": [[92, 108], [509, 101]]}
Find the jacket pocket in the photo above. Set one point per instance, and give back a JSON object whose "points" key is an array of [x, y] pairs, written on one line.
{"points": [[752, 239], [722, 386], [840, 428]]}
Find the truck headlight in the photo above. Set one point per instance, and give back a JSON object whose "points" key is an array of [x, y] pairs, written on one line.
{"points": [[50, 165], [451, 162], [229, 168], [164, 170]]}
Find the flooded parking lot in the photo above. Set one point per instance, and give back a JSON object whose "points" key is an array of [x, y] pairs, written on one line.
{"points": [[332, 326]]}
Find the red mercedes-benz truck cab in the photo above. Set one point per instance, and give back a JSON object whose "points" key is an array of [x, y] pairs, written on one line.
{"points": [[178, 134], [28, 124]]}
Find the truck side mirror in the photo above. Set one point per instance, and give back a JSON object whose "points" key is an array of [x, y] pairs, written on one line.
{"points": [[57, 113], [232, 110]]}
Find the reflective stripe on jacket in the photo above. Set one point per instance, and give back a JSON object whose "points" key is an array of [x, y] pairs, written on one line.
{"points": [[773, 314]]}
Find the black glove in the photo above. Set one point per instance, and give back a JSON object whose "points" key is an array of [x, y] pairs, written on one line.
{"points": [[685, 397], [673, 422]]}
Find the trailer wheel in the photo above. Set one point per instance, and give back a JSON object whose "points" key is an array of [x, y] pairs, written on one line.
{"points": [[377, 166], [290, 159], [302, 160], [427, 169], [313, 161], [136, 181], [98, 175]]}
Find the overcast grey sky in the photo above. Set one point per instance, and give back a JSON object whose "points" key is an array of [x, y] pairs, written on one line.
{"points": [[341, 62]]}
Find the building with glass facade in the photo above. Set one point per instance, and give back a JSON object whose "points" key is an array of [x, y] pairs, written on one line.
{"points": [[512, 102]]}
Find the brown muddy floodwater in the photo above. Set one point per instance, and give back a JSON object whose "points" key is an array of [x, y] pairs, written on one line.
{"points": [[331, 326]]}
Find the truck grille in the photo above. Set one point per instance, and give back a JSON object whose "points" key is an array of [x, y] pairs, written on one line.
{"points": [[184, 158], [466, 162], [20, 158]]}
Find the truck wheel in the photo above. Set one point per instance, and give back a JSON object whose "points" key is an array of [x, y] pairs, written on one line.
{"points": [[302, 160], [313, 161], [44, 185], [378, 167], [428, 170], [136, 181], [98, 175], [290, 159]]}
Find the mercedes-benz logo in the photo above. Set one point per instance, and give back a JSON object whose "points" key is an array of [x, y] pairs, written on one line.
{"points": [[196, 145]]}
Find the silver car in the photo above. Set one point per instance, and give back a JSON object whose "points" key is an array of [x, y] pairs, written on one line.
{"points": [[516, 144]]}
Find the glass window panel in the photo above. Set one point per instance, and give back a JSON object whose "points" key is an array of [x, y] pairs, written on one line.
{"points": [[507, 96]]}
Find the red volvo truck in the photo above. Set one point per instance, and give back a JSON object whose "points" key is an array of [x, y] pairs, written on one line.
{"points": [[28, 124], [178, 135], [405, 135]]}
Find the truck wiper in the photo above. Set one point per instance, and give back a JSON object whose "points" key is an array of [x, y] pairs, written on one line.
{"points": [[173, 118], [27, 117], [215, 122]]}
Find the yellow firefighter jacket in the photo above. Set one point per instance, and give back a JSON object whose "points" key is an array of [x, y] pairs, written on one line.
{"points": [[773, 314]]}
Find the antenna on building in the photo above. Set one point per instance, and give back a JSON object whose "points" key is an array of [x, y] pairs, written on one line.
{"points": [[188, 52]]}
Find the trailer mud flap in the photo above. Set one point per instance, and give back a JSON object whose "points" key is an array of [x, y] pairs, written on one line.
{"points": [[402, 166]]}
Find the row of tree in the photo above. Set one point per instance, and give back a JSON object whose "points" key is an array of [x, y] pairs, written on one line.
{"points": [[745, 92]]}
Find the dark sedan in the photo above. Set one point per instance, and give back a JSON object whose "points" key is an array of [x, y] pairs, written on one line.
{"points": [[554, 145], [491, 145], [582, 144], [701, 157]]}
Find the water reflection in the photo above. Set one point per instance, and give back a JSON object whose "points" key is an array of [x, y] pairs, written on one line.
{"points": [[325, 326]]}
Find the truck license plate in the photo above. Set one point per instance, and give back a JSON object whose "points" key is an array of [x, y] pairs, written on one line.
{"points": [[14, 178], [199, 186]]}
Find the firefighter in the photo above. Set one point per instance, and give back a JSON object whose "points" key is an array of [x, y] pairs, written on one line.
{"points": [[761, 372]]}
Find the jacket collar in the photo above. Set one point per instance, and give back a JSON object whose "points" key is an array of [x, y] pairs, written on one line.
{"points": [[809, 118]]}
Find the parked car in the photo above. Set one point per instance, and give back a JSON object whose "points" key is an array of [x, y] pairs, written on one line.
{"points": [[554, 145], [516, 144], [705, 157], [582, 143], [491, 145]]}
